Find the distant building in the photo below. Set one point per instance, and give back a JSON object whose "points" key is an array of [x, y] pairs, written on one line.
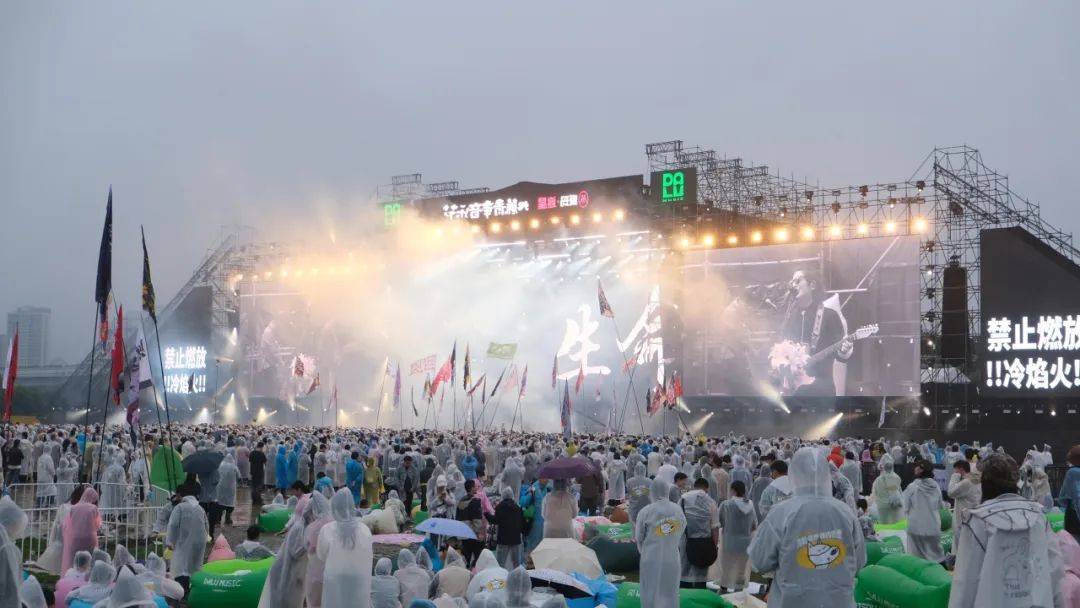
{"points": [[33, 323]]}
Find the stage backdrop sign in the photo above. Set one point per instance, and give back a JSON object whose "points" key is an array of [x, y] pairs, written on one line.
{"points": [[1030, 317], [777, 321]]}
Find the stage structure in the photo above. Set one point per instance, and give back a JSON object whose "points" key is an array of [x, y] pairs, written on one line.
{"points": [[694, 200]]}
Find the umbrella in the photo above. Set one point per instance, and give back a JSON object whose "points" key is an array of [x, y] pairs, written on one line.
{"points": [[561, 582], [566, 468], [446, 527], [203, 461], [566, 555]]}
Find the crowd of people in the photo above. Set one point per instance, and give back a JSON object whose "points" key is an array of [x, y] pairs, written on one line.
{"points": [[706, 512]]}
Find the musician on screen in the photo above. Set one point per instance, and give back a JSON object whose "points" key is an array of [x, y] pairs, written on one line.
{"points": [[812, 359]]}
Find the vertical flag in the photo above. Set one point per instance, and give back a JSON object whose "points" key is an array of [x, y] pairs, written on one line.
{"points": [[104, 275], [580, 380], [426, 394], [444, 375], [314, 384], [191, 383], [397, 386], [412, 398], [605, 308], [514, 382], [118, 359], [466, 379], [483, 391], [499, 381], [298, 367], [149, 302], [676, 381], [8, 380], [881, 417], [524, 380], [565, 414], [139, 377], [453, 363], [555, 372]]}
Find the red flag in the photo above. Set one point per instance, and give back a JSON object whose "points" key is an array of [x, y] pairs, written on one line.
{"points": [[657, 400], [298, 367], [524, 381], [580, 380], [8, 379], [118, 358], [314, 384], [445, 374], [677, 382]]}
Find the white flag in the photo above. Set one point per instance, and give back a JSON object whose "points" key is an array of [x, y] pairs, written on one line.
{"points": [[139, 376], [881, 417]]}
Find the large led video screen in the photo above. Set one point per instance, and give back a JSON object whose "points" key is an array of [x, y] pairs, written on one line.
{"points": [[1030, 317], [818, 319]]}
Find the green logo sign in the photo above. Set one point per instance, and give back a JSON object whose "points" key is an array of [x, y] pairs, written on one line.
{"points": [[672, 186], [391, 213]]}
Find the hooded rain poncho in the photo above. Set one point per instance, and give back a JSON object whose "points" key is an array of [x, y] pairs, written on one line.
{"points": [[31, 594], [886, 493], [98, 588], [658, 530], [812, 542], [129, 593], [385, 587], [317, 517], [81, 527], [518, 588], [187, 534], [414, 579], [345, 547]]}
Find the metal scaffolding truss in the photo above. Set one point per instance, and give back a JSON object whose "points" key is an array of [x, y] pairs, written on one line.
{"points": [[411, 186], [949, 200]]}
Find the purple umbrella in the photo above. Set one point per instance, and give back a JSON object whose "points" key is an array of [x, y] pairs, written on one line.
{"points": [[566, 468]]}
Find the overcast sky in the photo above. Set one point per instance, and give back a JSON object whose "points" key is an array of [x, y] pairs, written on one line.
{"points": [[203, 114]]}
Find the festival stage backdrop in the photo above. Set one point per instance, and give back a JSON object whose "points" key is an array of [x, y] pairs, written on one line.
{"points": [[743, 328], [543, 309], [1030, 317]]}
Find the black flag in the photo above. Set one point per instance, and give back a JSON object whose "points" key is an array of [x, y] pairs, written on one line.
{"points": [[104, 274], [148, 300]]}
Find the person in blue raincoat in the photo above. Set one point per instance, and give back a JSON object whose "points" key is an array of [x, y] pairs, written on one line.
{"points": [[468, 466], [281, 469], [354, 476], [533, 496], [294, 462]]}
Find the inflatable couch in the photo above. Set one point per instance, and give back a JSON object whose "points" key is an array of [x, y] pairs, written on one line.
{"points": [[899, 580], [614, 546], [274, 521], [630, 597], [946, 523], [231, 583], [875, 550]]}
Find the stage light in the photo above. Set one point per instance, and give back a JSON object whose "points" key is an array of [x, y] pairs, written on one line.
{"points": [[457, 229], [862, 229], [781, 235], [708, 240], [299, 273], [515, 225], [619, 215], [685, 242], [438, 232], [333, 270], [534, 223], [919, 185], [240, 277], [554, 219], [919, 224], [284, 273], [732, 240], [809, 195], [268, 274], [926, 411], [890, 227], [1053, 412], [254, 278], [597, 218], [575, 219], [808, 232], [496, 227], [755, 236], [835, 231], [475, 228]]}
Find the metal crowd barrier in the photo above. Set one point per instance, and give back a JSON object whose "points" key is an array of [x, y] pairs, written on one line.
{"points": [[130, 523]]}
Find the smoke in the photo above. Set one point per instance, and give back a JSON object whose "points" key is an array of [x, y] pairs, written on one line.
{"points": [[360, 293]]}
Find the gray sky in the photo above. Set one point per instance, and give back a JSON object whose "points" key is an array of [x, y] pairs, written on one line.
{"points": [[267, 112]]}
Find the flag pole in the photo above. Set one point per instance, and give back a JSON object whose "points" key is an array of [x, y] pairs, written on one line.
{"points": [[89, 388], [517, 406], [105, 409], [629, 389], [382, 386]]}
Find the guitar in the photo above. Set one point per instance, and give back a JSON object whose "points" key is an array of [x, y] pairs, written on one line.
{"points": [[789, 360]]}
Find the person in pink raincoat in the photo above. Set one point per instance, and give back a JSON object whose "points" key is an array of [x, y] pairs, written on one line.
{"points": [[318, 515], [81, 528], [221, 550]]}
